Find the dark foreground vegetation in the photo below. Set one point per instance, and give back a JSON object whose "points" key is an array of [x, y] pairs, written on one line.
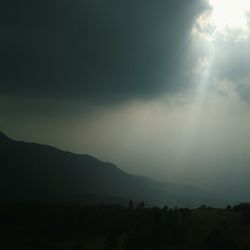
{"points": [[107, 227]]}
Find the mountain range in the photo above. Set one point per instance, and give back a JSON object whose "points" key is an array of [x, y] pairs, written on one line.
{"points": [[31, 172]]}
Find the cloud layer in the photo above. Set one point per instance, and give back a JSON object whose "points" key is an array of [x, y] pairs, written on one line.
{"points": [[97, 50]]}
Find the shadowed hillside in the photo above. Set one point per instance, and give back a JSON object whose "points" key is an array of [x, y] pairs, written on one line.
{"points": [[33, 172]]}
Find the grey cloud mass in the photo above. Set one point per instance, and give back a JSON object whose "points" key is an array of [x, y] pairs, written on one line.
{"points": [[93, 49]]}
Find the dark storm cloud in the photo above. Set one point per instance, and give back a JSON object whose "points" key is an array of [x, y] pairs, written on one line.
{"points": [[101, 50]]}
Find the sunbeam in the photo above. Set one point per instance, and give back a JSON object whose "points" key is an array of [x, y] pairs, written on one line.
{"points": [[215, 32]]}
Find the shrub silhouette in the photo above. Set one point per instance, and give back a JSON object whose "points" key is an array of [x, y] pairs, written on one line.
{"points": [[113, 227]]}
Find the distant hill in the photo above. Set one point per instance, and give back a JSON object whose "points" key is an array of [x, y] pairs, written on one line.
{"points": [[34, 172]]}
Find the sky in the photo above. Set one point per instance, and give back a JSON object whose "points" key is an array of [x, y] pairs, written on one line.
{"points": [[161, 88]]}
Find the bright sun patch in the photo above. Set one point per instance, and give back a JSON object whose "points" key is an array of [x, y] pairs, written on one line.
{"points": [[226, 18], [229, 14]]}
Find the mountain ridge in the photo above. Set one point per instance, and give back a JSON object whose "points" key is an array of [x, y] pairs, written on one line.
{"points": [[3, 136], [39, 172]]}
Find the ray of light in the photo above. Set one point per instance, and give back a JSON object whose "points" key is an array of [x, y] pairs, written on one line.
{"points": [[227, 20]]}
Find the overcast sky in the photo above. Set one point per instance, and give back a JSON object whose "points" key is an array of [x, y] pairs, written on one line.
{"points": [[159, 87]]}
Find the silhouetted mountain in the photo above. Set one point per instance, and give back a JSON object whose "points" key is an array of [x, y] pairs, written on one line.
{"points": [[3, 137], [34, 172]]}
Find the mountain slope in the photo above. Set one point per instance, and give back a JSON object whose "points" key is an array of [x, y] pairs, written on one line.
{"points": [[34, 172]]}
